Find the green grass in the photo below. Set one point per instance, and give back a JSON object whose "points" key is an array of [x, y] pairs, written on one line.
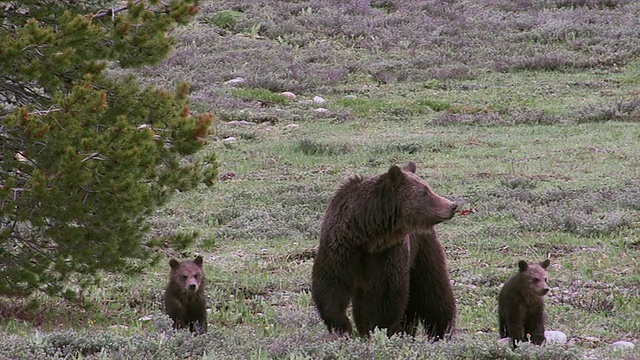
{"points": [[550, 160]]}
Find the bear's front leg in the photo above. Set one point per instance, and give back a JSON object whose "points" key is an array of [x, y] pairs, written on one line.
{"points": [[382, 296], [515, 329], [535, 327], [199, 313], [431, 300], [331, 288]]}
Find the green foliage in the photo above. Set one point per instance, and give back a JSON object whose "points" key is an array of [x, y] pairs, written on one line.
{"points": [[311, 147], [226, 19], [434, 104], [259, 94], [86, 158]]}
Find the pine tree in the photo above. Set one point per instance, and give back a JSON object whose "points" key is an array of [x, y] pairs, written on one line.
{"points": [[86, 157]]}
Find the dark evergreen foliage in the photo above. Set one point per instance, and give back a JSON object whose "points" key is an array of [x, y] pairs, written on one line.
{"points": [[85, 158]]}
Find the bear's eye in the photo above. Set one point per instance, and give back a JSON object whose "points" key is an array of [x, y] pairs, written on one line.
{"points": [[535, 280], [184, 277], [195, 276]]}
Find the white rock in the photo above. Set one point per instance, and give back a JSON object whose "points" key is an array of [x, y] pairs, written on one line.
{"points": [[288, 94], [240, 122], [146, 318], [319, 100], [553, 336], [230, 139], [350, 97], [623, 345], [21, 157], [235, 81], [291, 126], [505, 341], [322, 110]]}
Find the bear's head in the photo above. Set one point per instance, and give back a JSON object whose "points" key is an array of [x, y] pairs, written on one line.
{"points": [[188, 274], [419, 205], [535, 276]]}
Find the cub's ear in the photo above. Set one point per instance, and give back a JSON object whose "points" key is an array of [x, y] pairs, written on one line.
{"points": [[411, 167], [198, 260], [174, 263], [545, 263], [395, 173], [522, 265]]}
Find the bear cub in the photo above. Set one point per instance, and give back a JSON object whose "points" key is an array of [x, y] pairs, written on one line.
{"points": [[184, 298], [521, 304]]}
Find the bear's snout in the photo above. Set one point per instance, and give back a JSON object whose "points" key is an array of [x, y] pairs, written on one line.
{"points": [[544, 291], [192, 287], [451, 207]]}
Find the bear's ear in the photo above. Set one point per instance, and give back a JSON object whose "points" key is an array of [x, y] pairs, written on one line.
{"points": [[411, 167], [545, 263], [198, 260], [395, 173], [522, 265], [174, 263]]}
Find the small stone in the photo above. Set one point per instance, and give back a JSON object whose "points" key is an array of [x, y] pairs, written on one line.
{"points": [[234, 81], [21, 157], [553, 336], [350, 97], [230, 139], [321, 110], [291, 126], [118, 326], [319, 100], [623, 345], [288, 94], [146, 318], [240, 123], [505, 341]]}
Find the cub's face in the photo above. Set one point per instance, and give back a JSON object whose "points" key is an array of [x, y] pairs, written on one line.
{"points": [[535, 276], [188, 274]]}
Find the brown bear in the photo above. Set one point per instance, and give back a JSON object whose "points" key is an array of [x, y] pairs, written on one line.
{"points": [[379, 250], [184, 297], [521, 304]]}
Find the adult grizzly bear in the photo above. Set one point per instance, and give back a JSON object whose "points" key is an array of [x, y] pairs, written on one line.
{"points": [[184, 298], [521, 303], [379, 249]]}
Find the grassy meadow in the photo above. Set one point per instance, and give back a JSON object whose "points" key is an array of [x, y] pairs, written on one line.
{"points": [[527, 111]]}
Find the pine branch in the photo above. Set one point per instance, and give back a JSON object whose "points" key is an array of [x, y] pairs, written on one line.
{"points": [[113, 11], [37, 112]]}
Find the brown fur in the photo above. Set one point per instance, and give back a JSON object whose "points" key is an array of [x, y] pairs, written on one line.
{"points": [[379, 249], [521, 303], [184, 297]]}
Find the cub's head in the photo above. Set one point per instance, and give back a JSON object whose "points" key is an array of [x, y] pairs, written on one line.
{"points": [[188, 274], [419, 203], [535, 276]]}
